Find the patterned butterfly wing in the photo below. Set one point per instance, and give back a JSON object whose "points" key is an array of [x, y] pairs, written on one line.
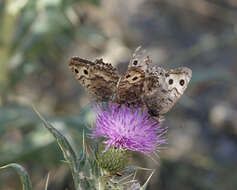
{"points": [[163, 89], [130, 88], [99, 78], [140, 60]]}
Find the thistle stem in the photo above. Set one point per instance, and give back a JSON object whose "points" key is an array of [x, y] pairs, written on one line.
{"points": [[101, 183]]}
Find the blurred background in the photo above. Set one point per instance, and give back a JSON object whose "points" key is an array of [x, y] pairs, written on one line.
{"points": [[37, 38]]}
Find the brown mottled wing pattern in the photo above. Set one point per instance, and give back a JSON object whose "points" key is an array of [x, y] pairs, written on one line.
{"points": [[130, 88], [99, 78]]}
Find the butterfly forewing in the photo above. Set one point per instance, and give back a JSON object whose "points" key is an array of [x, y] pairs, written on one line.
{"points": [[99, 78], [130, 87]]}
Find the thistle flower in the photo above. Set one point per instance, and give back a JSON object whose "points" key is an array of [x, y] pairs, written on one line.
{"points": [[128, 129]]}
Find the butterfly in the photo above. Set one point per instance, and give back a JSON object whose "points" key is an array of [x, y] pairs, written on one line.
{"points": [[142, 85]]}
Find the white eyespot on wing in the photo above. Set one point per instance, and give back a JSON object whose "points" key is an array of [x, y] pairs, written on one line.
{"points": [[178, 79]]}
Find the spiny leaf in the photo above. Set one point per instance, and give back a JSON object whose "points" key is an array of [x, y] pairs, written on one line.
{"points": [[146, 183], [83, 156], [24, 177], [130, 169], [47, 182], [66, 148]]}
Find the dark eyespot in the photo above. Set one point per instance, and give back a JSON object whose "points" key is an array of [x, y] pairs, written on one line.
{"points": [[128, 76], [135, 62], [181, 82], [85, 72], [76, 71], [171, 81], [134, 78]]}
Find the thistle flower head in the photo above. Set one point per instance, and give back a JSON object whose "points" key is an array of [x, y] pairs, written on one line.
{"points": [[128, 129]]}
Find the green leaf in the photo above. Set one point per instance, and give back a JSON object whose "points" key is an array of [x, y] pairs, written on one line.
{"points": [[25, 178], [66, 148]]}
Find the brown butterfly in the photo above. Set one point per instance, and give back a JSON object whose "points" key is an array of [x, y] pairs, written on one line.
{"points": [[142, 85]]}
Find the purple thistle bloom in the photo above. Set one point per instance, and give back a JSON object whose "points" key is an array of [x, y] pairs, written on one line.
{"points": [[128, 128]]}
